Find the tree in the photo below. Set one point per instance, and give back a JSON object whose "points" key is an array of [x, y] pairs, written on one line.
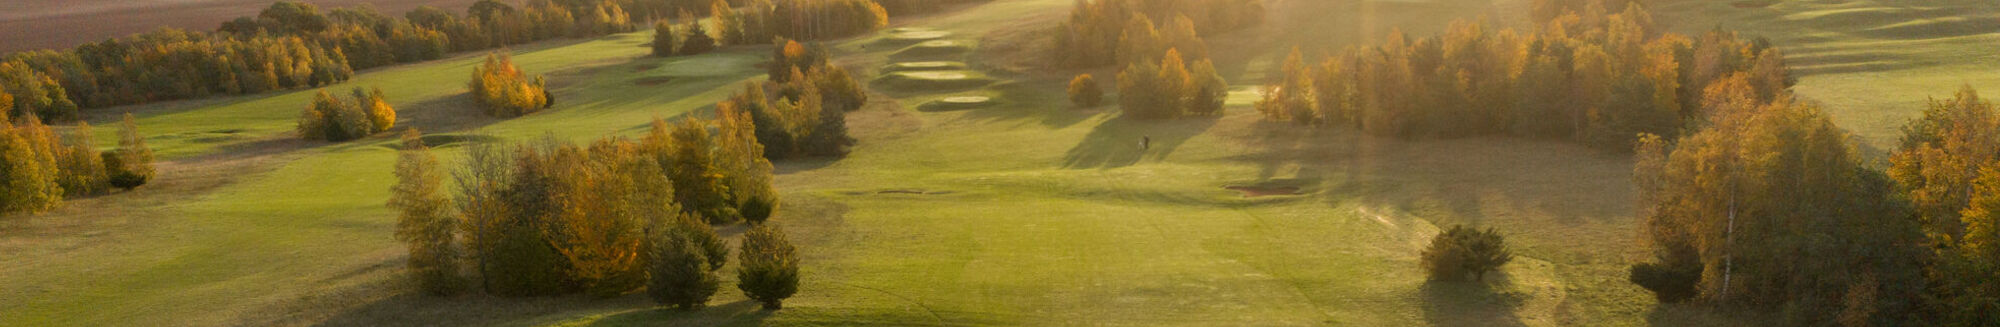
{"points": [[665, 39], [134, 166], [1207, 90], [688, 152], [769, 266], [1084, 91], [334, 120], [81, 165], [380, 115], [738, 151], [1138, 87], [694, 38], [425, 222], [682, 277], [506, 92], [1462, 252], [30, 172]]}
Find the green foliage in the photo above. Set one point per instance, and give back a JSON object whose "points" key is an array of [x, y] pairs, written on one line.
{"points": [[425, 222], [1948, 168], [81, 165], [1670, 283], [135, 158], [1462, 252], [688, 152], [665, 39], [682, 277], [1084, 91], [768, 268], [694, 38], [334, 120]]}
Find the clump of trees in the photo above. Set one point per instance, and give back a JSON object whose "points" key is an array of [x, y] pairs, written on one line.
{"points": [[1084, 91], [289, 45], [1106, 32], [604, 219], [801, 109], [40, 167], [760, 21], [1462, 252], [332, 119], [1948, 168], [505, 91], [1594, 78], [1171, 89]]}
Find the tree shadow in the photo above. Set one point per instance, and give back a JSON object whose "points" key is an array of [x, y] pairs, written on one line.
{"points": [[1471, 303], [1029, 101], [1117, 142]]}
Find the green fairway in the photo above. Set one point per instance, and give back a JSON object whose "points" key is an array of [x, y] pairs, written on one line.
{"points": [[1021, 211]]}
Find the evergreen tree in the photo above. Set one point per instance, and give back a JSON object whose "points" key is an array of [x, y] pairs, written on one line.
{"points": [[769, 266]]}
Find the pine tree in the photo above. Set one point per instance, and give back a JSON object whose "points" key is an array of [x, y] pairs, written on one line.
{"points": [[769, 266]]}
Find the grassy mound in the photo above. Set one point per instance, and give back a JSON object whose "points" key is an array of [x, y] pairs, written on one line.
{"points": [[933, 81], [919, 66], [959, 102]]}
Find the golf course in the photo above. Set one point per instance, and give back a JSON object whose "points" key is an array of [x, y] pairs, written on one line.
{"points": [[976, 193]]}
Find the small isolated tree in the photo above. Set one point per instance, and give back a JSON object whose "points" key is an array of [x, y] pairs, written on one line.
{"points": [[681, 275], [769, 266], [1084, 91], [380, 115], [132, 164], [1462, 252], [81, 166], [426, 223]]}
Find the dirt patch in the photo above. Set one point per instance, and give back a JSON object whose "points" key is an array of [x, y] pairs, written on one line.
{"points": [[652, 81], [1263, 191]]}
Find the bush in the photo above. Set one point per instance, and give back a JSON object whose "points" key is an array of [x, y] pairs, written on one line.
{"points": [[1462, 252], [682, 277], [665, 39], [695, 39], [769, 270], [334, 120], [135, 158], [757, 210], [1084, 91]]}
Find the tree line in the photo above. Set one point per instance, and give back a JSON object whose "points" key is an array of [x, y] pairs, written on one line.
{"points": [[1594, 78], [40, 167], [288, 45]]}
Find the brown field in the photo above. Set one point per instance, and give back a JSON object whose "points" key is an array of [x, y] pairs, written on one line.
{"points": [[54, 24]]}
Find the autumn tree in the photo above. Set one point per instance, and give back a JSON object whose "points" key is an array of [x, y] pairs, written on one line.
{"points": [[768, 270], [131, 165], [30, 169], [1084, 91], [425, 222], [81, 165], [1948, 168], [505, 91], [332, 119], [381, 116]]}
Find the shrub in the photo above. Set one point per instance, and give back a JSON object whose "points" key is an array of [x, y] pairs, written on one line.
{"points": [[682, 277], [334, 120], [117, 175], [769, 266], [1084, 91], [1462, 252], [757, 210], [425, 222]]}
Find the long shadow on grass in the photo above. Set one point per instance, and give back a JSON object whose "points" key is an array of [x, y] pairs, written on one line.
{"points": [[1470, 304], [1116, 142], [1043, 102]]}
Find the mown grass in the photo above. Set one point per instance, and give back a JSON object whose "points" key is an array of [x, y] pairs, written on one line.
{"points": [[1025, 212]]}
